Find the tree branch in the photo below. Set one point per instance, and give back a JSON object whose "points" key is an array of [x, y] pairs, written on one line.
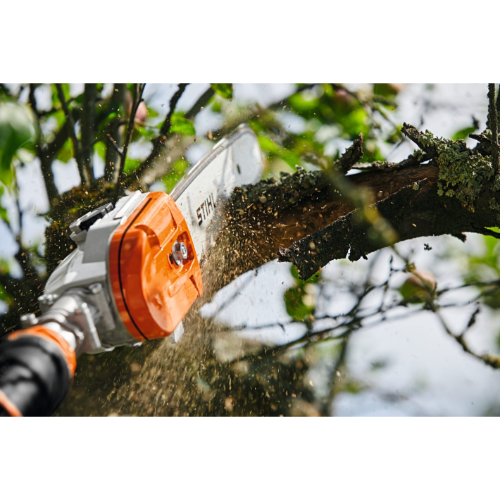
{"points": [[412, 213], [70, 124], [177, 146], [45, 163], [138, 91], [117, 105], [413, 134], [493, 125], [200, 103], [488, 359], [114, 146], [88, 128], [353, 154], [159, 141], [486, 232]]}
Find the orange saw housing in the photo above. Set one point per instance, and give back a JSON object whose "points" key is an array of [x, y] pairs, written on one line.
{"points": [[152, 293]]}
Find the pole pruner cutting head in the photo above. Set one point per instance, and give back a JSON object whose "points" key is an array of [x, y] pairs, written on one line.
{"points": [[154, 270]]}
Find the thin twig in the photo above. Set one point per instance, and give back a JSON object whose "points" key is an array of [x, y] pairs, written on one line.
{"points": [[115, 145], [488, 359], [116, 105], [165, 129], [164, 132], [55, 109], [243, 116], [138, 91], [487, 232], [70, 124], [45, 154]]}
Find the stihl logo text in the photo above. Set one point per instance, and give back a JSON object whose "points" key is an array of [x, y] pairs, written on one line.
{"points": [[205, 209]]}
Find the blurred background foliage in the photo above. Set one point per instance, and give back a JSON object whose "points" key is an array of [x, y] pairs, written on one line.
{"points": [[82, 146]]}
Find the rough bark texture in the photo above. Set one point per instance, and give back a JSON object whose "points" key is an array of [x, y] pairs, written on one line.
{"points": [[303, 204], [411, 213]]}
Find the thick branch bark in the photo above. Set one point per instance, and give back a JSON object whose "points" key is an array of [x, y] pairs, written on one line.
{"points": [[294, 208], [411, 213]]}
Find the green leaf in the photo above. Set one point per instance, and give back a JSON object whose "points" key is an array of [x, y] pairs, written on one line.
{"points": [[131, 165], [66, 152], [355, 122], [302, 103], [3, 294], [216, 107], [100, 149], [297, 299], [4, 215], [105, 123], [182, 125], [386, 89], [313, 279], [225, 90], [178, 170], [55, 96], [152, 113], [294, 303], [268, 145], [17, 128], [4, 266], [148, 133], [463, 133]]}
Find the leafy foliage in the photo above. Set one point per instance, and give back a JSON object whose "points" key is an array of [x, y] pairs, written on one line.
{"points": [[225, 90], [485, 266], [182, 125], [178, 171], [17, 129], [462, 134], [300, 301], [3, 211]]}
